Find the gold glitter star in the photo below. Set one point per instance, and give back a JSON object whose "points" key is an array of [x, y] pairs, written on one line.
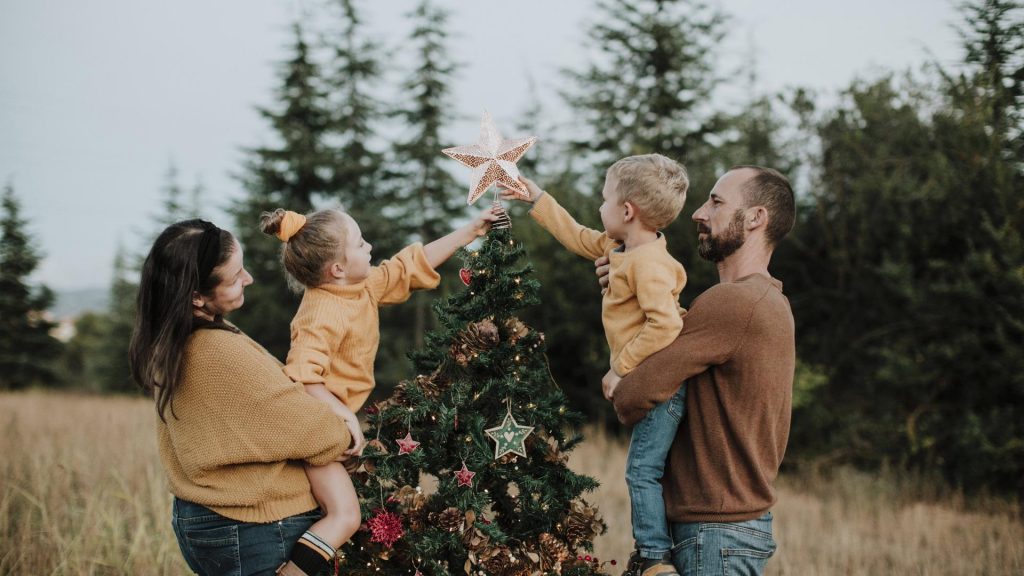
{"points": [[493, 160]]}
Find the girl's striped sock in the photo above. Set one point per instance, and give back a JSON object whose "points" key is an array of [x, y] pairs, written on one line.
{"points": [[311, 554]]}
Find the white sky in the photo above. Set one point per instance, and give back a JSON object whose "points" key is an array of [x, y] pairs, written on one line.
{"points": [[97, 98]]}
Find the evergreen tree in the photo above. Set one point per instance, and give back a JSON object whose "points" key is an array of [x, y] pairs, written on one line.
{"points": [[27, 349], [993, 42], [354, 76], [648, 90], [648, 87], [424, 197], [112, 366], [293, 173], [505, 501], [577, 350], [80, 363], [909, 293]]}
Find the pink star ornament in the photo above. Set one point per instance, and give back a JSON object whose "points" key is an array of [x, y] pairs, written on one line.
{"points": [[465, 476], [407, 445], [493, 160]]}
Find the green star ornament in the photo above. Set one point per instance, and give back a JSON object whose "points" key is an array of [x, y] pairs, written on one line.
{"points": [[509, 437]]}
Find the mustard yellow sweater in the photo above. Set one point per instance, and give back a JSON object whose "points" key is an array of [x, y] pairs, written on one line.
{"points": [[640, 310], [336, 331], [241, 430]]}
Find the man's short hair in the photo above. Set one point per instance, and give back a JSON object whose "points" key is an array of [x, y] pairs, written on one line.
{"points": [[769, 188], [654, 184]]}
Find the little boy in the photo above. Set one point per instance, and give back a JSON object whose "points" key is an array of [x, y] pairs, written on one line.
{"points": [[641, 315]]}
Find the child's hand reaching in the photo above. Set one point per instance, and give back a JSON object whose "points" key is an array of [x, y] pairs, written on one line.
{"points": [[481, 224], [441, 249], [531, 187]]}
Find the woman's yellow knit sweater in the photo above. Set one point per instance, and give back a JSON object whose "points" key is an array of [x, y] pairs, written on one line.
{"points": [[240, 431]]}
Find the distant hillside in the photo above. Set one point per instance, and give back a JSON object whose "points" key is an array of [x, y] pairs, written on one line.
{"points": [[71, 303]]}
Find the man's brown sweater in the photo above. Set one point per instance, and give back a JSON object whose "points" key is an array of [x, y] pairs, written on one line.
{"points": [[737, 354]]}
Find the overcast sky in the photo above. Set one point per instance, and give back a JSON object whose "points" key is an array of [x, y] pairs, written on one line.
{"points": [[98, 98]]}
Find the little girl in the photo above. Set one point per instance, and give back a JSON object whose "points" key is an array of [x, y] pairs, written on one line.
{"points": [[335, 334]]}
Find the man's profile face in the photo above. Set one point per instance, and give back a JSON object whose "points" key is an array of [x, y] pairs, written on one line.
{"points": [[720, 230]]}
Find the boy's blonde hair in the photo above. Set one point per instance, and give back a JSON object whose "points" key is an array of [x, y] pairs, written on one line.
{"points": [[308, 252], [654, 184]]}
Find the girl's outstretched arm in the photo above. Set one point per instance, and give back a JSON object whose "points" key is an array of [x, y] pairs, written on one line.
{"points": [[442, 249]]}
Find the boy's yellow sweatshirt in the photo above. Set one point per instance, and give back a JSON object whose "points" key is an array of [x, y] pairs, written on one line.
{"points": [[336, 331], [640, 310]]}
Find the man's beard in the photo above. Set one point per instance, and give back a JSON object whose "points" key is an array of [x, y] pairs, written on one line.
{"points": [[719, 247]]}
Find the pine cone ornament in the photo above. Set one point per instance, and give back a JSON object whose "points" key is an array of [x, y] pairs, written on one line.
{"points": [[502, 562], [433, 385], [409, 499], [449, 520], [400, 395], [476, 338], [582, 523], [553, 550], [516, 330]]}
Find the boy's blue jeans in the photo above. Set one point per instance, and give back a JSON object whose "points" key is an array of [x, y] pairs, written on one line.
{"points": [[645, 466], [217, 546], [715, 548]]}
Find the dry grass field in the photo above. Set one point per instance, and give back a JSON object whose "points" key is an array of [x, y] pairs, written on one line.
{"points": [[82, 493]]}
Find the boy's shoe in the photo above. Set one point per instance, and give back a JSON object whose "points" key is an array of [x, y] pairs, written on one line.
{"points": [[639, 566]]}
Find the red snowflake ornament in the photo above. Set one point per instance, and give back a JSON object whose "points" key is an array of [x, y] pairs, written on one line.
{"points": [[386, 527]]}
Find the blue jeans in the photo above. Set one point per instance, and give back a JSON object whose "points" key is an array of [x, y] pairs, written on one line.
{"points": [[217, 546], [645, 466], [723, 548]]}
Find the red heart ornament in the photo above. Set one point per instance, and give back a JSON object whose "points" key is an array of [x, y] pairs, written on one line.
{"points": [[465, 274]]}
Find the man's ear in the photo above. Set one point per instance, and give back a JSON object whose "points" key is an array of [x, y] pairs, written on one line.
{"points": [[197, 300], [757, 218]]}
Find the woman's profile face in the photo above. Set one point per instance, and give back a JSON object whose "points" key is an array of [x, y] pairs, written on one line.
{"points": [[229, 294]]}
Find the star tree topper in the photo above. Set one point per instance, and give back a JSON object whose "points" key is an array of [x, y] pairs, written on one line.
{"points": [[493, 160], [509, 437]]}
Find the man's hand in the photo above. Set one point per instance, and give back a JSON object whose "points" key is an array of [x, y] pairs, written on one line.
{"points": [[601, 268], [609, 383], [531, 187]]}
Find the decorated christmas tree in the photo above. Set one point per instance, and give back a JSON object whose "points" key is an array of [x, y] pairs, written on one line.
{"points": [[466, 468]]}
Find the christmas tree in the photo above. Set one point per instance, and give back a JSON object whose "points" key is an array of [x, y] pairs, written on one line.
{"points": [[485, 419]]}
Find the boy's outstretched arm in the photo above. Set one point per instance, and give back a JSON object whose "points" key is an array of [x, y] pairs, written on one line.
{"points": [[441, 250]]}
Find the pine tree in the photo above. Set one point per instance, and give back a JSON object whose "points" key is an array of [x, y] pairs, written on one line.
{"points": [[353, 78], [576, 350], [649, 89], [293, 174], [505, 501], [993, 42], [27, 349], [112, 366], [424, 197]]}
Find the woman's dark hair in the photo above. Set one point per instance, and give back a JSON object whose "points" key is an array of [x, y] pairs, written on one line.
{"points": [[180, 263]]}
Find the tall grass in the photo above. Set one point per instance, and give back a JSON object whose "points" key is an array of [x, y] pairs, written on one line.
{"points": [[82, 493]]}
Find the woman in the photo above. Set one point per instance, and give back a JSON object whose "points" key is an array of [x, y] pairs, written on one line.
{"points": [[233, 430]]}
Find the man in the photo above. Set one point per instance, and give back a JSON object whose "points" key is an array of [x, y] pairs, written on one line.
{"points": [[737, 354]]}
